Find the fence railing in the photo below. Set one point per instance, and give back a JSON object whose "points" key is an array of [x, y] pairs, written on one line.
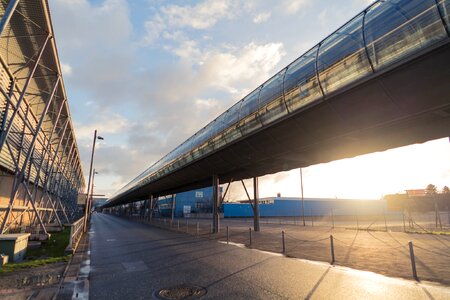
{"points": [[76, 231]]}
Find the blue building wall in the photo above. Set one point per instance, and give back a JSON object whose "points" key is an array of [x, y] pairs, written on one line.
{"points": [[316, 207], [199, 200]]}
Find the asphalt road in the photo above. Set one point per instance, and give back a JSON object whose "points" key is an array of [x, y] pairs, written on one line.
{"points": [[130, 260]]}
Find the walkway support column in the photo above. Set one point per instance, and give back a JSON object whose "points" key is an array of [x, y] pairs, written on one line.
{"points": [[150, 209], [216, 200], [256, 204]]}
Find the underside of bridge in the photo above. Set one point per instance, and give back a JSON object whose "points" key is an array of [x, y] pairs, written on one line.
{"points": [[390, 89], [41, 173]]}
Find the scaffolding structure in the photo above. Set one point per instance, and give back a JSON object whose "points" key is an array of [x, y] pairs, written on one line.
{"points": [[41, 173]]}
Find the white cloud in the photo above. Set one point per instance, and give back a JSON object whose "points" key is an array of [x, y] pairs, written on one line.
{"points": [[261, 18], [106, 122], [293, 6], [66, 69], [200, 16]]}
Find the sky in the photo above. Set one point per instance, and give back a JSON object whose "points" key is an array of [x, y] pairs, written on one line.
{"points": [[148, 74]]}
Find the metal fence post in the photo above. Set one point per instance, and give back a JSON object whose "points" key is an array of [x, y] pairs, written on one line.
{"points": [[413, 260], [282, 240], [385, 222], [178, 225], [197, 228], [250, 236], [187, 226], [228, 235], [332, 249]]}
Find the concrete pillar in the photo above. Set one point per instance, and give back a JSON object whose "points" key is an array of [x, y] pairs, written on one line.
{"points": [[216, 202], [256, 204], [173, 206], [150, 209]]}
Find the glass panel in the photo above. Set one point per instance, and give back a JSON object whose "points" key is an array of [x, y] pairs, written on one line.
{"points": [[273, 111], [342, 57], [217, 142], [300, 82], [232, 115], [444, 8], [398, 28], [271, 90], [249, 124], [249, 105], [231, 134]]}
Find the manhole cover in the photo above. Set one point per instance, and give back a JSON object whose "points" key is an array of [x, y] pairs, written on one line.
{"points": [[179, 292]]}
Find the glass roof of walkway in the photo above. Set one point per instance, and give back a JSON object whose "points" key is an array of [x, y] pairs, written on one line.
{"points": [[384, 34]]}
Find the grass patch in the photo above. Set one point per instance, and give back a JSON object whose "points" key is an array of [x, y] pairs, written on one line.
{"points": [[11, 267], [54, 247], [51, 251], [429, 232]]}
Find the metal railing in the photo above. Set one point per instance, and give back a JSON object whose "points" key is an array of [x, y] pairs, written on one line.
{"points": [[76, 231]]}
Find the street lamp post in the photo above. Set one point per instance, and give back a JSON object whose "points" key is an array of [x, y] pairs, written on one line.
{"points": [[303, 200], [88, 200], [92, 193]]}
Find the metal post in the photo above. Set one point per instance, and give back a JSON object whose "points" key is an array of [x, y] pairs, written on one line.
{"points": [[282, 241], [8, 14], [216, 199], [173, 206], [332, 249], [303, 200], [89, 182], [178, 224], [250, 236], [385, 222], [187, 226], [413, 260], [312, 218], [256, 204], [228, 235]]}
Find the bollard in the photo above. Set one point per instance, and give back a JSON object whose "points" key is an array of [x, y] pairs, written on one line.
{"points": [[332, 249], [413, 260], [210, 229], [385, 222], [197, 229], [282, 240], [187, 226], [178, 225], [164, 221], [228, 235], [250, 236]]}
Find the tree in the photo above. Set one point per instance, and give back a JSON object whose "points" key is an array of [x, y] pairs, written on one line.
{"points": [[445, 190], [431, 189]]}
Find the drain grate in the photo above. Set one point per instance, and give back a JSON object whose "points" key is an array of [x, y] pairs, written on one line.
{"points": [[183, 291]]}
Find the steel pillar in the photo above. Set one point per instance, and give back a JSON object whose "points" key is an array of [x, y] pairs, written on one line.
{"points": [[21, 178], [173, 206], [8, 14], [256, 204], [5, 133], [216, 199], [150, 210]]}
